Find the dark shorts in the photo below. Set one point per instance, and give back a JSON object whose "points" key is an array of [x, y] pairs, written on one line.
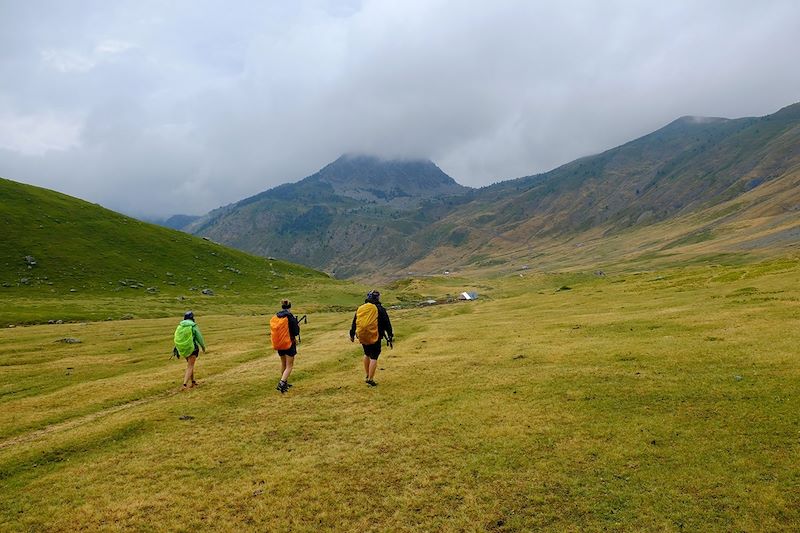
{"points": [[372, 350], [291, 352], [194, 353]]}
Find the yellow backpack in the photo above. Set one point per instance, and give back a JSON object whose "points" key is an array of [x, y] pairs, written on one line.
{"points": [[367, 324]]}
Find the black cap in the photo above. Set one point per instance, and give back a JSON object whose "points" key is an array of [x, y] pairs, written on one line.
{"points": [[188, 315], [374, 296]]}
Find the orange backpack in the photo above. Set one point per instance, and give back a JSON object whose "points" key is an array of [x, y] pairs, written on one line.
{"points": [[279, 331]]}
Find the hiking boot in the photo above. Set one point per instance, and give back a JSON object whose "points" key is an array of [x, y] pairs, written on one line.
{"points": [[371, 383], [282, 387]]}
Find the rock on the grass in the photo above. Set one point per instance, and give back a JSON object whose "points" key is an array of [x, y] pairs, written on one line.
{"points": [[208, 292], [127, 316], [69, 340], [30, 261]]}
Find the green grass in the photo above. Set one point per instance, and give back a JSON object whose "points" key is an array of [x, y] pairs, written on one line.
{"points": [[94, 264], [643, 401]]}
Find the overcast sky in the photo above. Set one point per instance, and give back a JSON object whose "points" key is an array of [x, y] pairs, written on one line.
{"points": [[154, 108]]}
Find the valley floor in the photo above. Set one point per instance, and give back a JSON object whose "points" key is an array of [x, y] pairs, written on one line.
{"points": [[638, 401]]}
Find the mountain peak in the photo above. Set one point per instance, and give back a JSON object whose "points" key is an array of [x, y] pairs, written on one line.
{"points": [[396, 181]]}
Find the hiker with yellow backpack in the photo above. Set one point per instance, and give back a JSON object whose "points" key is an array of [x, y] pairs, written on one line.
{"points": [[283, 329], [188, 341], [371, 324]]}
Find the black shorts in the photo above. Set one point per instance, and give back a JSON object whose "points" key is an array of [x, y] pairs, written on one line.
{"points": [[291, 352], [372, 350], [194, 353]]}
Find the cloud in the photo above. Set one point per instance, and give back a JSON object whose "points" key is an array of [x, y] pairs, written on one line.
{"points": [[35, 135], [154, 108]]}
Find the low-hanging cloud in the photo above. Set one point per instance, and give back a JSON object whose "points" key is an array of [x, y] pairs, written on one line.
{"points": [[156, 108]]}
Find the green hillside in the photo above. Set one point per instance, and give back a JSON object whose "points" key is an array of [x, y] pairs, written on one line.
{"points": [[79, 257]]}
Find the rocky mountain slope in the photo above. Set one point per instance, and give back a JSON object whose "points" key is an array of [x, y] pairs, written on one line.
{"points": [[347, 218], [724, 169], [688, 181]]}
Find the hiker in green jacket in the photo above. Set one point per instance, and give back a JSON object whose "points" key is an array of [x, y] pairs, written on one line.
{"points": [[188, 341]]}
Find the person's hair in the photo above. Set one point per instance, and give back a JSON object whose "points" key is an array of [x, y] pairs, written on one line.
{"points": [[374, 296], [188, 315], [286, 304]]}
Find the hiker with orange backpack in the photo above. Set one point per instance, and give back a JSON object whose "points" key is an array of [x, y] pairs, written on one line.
{"points": [[283, 329], [371, 324]]}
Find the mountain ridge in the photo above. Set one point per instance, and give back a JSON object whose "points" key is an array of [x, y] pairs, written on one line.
{"points": [[689, 165]]}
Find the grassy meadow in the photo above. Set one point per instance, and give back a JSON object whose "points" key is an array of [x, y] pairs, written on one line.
{"points": [[642, 401]]}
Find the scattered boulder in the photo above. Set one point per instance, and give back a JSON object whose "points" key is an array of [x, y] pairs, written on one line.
{"points": [[25, 281], [30, 261], [208, 292], [152, 290], [73, 290], [69, 340], [127, 316], [186, 417]]}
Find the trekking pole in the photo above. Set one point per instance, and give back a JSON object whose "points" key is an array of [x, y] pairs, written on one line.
{"points": [[388, 341], [304, 320]]}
